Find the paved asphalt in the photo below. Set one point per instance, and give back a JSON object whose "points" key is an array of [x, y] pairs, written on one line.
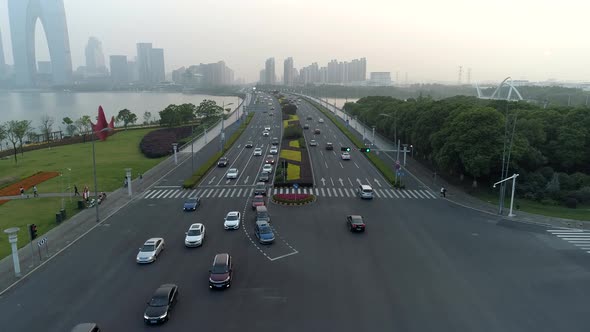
{"points": [[422, 264]]}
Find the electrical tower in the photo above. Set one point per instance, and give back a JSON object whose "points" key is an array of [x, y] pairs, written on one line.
{"points": [[469, 76], [460, 75]]}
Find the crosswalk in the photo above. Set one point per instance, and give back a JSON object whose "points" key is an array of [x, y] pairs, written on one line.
{"points": [[576, 237], [237, 192]]}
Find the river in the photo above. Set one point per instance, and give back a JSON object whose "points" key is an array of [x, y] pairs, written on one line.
{"points": [[58, 105]]}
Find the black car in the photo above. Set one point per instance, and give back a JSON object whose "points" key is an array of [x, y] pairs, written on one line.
{"points": [[329, 146], [158, 309], [223, 161], [260, 189], [306, 126], [355, 223], [275, 141], [309, 118], [249, 144]]}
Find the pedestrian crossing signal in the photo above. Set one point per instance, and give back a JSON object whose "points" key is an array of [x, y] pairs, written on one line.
{"points": [[33, 231], [366, 150], [345, 148]]}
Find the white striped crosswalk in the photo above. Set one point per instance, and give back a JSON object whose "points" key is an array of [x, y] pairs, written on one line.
{"points": [[576, 237], [232, 192]]}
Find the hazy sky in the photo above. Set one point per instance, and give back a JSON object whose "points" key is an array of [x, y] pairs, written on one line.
{"points": [[428, 39]]}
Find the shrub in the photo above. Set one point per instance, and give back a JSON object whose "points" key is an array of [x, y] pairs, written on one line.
{"points": [[571, 202], [294, 144], [158, 143], [292, 132], [302, 142], [293, 198]]}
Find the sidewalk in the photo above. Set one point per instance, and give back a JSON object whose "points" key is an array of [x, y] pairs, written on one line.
{"points": [[425, 176], [66, 234]]}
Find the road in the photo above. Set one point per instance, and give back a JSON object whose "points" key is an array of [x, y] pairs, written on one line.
{"points": [[422, 265]]}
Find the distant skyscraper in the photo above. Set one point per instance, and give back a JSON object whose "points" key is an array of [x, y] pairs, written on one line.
{"points": [[119, 69], [288, 71], [144, 62], [132, 71], [94, 56], [44, 67], [158, 69], [2, 59], [269, 69], [262, 79], [23, 15]]}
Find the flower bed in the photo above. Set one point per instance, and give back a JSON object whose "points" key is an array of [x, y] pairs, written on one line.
{"points": [[28, 183], [293, 199], [158, 143]]}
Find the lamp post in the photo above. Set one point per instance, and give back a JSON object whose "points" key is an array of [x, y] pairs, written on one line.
{"points": [[175, 148], [513, 178], [13, 239], [223, 124], [128, 174], [94, 167], [394, 124]]}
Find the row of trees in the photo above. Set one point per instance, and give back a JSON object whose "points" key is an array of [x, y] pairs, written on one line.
{"points": [[462, 135], [175, 115]]}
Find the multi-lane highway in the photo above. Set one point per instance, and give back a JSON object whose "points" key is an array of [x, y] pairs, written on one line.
{"points": [[422, 265]]}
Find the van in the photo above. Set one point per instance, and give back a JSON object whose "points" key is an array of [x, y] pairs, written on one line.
{"points": [[262, 214], [365, 191]]}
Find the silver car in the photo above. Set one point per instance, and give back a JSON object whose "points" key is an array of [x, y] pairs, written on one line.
{"points": [[150, 250], [232, 173], [195, 235]]}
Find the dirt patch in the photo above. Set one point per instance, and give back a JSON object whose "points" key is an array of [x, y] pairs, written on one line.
{"points": [[28, 183]]}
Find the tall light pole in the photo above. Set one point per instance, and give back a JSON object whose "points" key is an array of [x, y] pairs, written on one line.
{"points": [[94, 167], [223, 124], [394, 124]]}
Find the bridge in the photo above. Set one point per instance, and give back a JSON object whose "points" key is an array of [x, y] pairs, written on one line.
{"points": [[497, 95]]}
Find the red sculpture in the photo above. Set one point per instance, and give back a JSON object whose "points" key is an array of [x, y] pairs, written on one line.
{"points": [[101, 123]]}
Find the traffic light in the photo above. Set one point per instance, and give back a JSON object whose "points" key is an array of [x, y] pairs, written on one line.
{"points": [[345, 148], [366, 150], [33, 231]]}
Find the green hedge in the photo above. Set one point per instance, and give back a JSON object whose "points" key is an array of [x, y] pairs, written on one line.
{"points": [[387, 172], [194, 180], [308, 198]]}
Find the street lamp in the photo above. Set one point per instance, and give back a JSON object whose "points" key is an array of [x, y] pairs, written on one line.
{"points": [[223, 124], [94, 166]]}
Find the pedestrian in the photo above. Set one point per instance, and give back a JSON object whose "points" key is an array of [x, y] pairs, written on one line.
{"points": [[22, 191], [443, 192], [140, 177], [76, 192], [35, 193]]}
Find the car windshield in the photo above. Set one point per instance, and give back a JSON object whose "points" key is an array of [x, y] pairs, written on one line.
{"points": [[192, 200], [258, 199], [232, 217], [265, 230], [218, 269], [148, 247], [357, 220], [233, 170], [194, 232], [159, 301]]}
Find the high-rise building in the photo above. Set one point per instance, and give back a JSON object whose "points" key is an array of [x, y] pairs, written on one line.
{"points": [[380, 79], [94, 57], [144, 62], [262, 79], [2, 59], [269, 69], [119, 69], [158, 69], [44, 67], [132, 71], [23, 15], [288, 71]]}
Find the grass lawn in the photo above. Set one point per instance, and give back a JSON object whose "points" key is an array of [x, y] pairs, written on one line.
{"points": [[38, 211], [559, 211], [291, 155], [112, 157], [291, 118], [293, 172], [294, 144]]}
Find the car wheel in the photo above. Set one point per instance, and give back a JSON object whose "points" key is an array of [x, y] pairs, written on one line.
{"points": [[168, 316]]}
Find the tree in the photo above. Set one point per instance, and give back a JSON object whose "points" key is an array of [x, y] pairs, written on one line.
{"points": [[46, 126], [147, 117], [2, 133], [127, 117], [20, 130], [187, 113], [83, 124], [11, 135], [70, 127], [208, 108], [170, 116]]}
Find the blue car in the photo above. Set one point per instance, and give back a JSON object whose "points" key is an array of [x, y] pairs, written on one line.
{"points": [[192, 204], [264, 233]]}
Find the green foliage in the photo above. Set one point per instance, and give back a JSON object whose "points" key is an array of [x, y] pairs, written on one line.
{"points": [[208, 108], [292, 132], [289, 109], [127, 117]]}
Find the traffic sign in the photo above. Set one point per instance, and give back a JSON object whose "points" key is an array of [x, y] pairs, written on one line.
{"points": [[295, 185]]}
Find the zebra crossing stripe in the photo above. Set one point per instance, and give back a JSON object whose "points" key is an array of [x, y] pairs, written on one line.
{"points": [[317, 191], [328, 190], [239, 192], [221, 192], [178, 194], [149, 193], [412, 193], [431, 194], [165, 193], [193, 193], [387, 192], [227, 192], [208, 192], [251, 192], [376, 193], [174, 193], [198, 192], [340, 191], [335, 193], [393, 191], [305, 190], [232, 193], [280, 190], [401, 193], [427, 194], [158, 193], [418, 193], [346, 191]]}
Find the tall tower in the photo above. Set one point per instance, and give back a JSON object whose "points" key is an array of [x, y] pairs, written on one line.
{"points": [[468, 75], [158, 69], [460, 75], [288, 71], [23, 15], [94, 56], [2, 59], [270, 71], [144, 62]]}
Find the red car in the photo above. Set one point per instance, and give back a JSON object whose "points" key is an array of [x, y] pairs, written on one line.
{"points": [[355, 223], [269, 160], [258, 200]]}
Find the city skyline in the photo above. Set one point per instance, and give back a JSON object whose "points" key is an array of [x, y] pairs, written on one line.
{"points": [[429, 47]]}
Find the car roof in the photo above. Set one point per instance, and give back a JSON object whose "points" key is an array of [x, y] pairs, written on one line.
{"points": [[196, 226], [152, 240], [233, 213], [221, 259], [233, 170], [259, 196], [164, 289], [364, 186], [260, 183]]}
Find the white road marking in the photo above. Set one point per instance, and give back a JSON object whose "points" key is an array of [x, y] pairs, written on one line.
{"points": [[428, 194], [332, 180], [221, 193], [346, 191], [233, 192], [328, 190], [340, 191], [357, 166], [325, 163], [335, 193], [226, 193], [376, 193], [239, 192], [167, 194], [341, 166], [210, 192], [418, 193], [317, 192]]}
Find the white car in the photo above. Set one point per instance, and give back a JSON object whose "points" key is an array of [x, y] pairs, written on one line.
{"points": [[150, 250], [313, 142], [321, 120], [267, 168], [266, 128], [345, 155], [258, 152], [274, 150], [232, 220], [195, 235], [232, 173], [265, 133]]}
